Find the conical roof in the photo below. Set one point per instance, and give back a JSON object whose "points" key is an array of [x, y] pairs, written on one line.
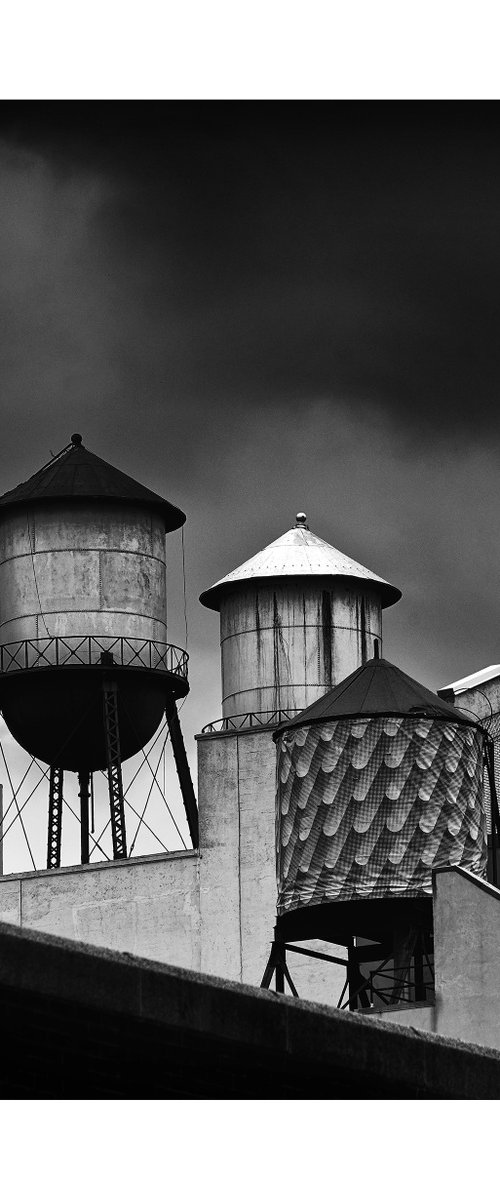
{"points": [[377, 689], [76, 474], [299, 553]]}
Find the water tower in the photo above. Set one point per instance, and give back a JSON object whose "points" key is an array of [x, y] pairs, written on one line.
{"points": [[294, 620], [86, 672], [378, 783]]}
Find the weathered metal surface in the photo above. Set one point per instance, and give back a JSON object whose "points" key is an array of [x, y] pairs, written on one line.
{"points": [[283, 647], [68, 569]]}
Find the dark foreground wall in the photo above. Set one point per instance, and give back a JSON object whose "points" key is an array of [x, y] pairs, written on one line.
{"points": [[82, 1023]]}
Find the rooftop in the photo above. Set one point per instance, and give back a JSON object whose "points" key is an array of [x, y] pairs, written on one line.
{"points": [[472, 681]]}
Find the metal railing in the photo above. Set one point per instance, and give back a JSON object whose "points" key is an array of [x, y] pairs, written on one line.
{"points": [[251, 720], [89, 651]]}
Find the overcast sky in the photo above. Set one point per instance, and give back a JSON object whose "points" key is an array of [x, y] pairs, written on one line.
{"points": [[256, 309]]}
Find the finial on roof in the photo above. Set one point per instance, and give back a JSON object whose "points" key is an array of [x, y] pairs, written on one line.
{"points": [[301, 521], [77, 439]]}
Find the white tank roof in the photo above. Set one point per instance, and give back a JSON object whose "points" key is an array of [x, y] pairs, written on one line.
{"points": [[298, 553], [472, 681]]}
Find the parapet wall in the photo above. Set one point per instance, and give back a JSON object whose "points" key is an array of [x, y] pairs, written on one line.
{"points": [[466, 963], [147, 906], [212, 910], [80, 1022]]}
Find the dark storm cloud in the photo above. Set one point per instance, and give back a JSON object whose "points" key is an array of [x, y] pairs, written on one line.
{"points": [[278, 253], [257, 309]]}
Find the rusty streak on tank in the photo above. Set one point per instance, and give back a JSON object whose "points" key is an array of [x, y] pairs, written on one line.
{"points": [[326, 624]]}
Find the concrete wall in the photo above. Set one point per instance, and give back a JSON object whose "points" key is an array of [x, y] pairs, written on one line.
{"points": [[83, 1023], [467, 957], [147, 906], [238, 893], [214, 911], [484, 702], [467, 963]]}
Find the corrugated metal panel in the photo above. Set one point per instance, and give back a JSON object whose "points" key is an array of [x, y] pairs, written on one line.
{"points": [[299, 552], [366, 808]]}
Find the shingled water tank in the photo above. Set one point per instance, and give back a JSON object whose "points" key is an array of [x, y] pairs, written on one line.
{"points": [[379, 782]]}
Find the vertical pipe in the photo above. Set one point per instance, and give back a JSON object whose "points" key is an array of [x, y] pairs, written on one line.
{"points": [[1, 828], [418, 966], [84, 782], [280, 959], [351, 965]]}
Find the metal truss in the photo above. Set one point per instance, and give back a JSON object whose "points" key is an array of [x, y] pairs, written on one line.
{"points": [[55, 817], [115, 780], [403, 983]]}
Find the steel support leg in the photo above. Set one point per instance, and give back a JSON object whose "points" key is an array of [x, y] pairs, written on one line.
{"points": [[279, 973], [115, 781], [277, 966], [84, 782], [55, 818], [183, 771], [418, 961]]}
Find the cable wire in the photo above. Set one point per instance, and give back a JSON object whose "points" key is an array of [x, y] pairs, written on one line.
{"points": [[18, 789], [134, 839], [17, 806], [184, 585], [154, 777]]}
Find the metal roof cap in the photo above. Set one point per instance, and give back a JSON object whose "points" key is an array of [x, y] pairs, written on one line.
{"points": [[76, 474], [377, 689], [298, 553]]}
